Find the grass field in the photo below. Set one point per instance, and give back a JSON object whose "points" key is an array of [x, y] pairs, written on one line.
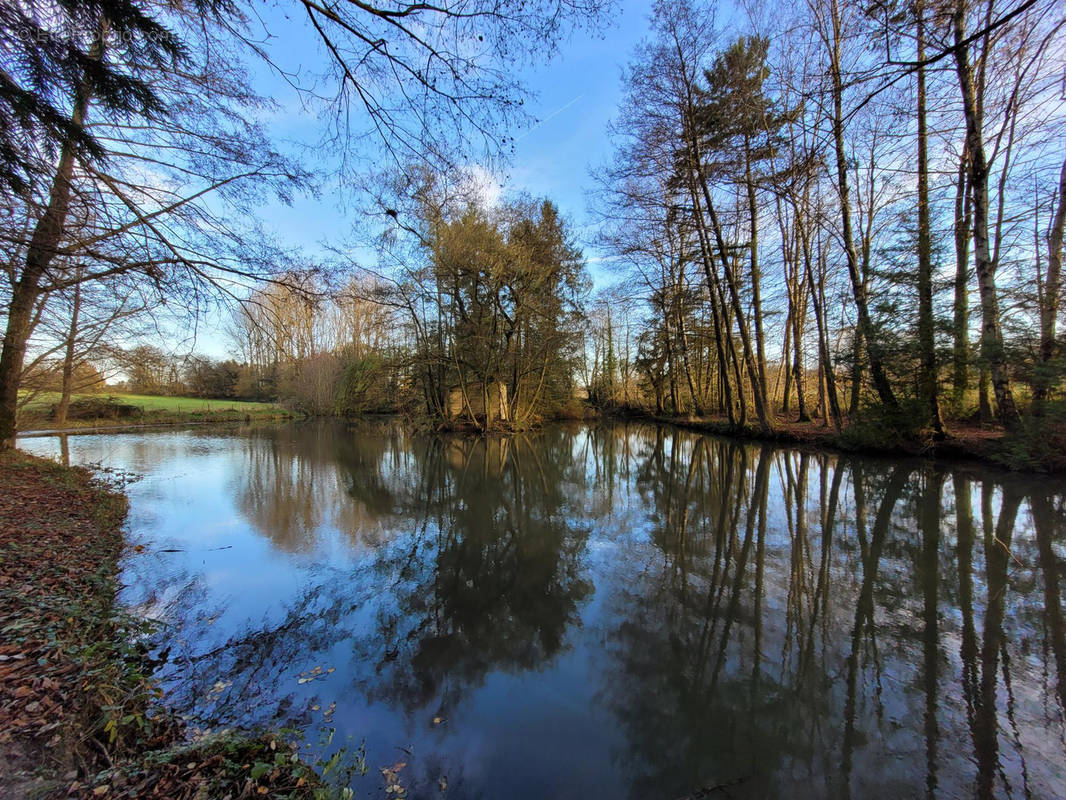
{"points": [[35, 415]]}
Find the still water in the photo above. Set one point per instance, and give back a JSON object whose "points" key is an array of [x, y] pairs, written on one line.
{"points": [[606, 611]]}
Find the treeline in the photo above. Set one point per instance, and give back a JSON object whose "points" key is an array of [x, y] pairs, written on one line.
{"points": [[136, 154], [480, 319], [838, 208], [143, 369], [827, 210], [479, 322]]}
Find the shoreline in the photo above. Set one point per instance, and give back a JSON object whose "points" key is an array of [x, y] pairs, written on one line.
{"points": [[951, 448], [987, 445], [169, 420], [80, 714], [95, 429]]}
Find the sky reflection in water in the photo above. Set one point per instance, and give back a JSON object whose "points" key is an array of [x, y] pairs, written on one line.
{"points": [[622, 610]]}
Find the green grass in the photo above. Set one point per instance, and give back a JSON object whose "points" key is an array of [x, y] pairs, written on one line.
{"points": [[35, 414]]}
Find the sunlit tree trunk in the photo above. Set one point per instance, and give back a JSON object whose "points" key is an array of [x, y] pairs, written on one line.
{"points": [[873, 346], [758, 395], [41, 251], [1049, 295], [992, 351], [69, 355], [756, 276], [828, 379], [961, 318]]}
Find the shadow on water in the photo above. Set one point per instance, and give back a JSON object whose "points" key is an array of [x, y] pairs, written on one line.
{"points": [[611, 610]]}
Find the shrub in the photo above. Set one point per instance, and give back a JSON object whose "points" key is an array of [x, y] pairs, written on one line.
{"points": [[1038, 444], [879, 428], [100, 408], [363, 387]]}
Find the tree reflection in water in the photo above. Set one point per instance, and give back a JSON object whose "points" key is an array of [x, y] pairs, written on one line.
{"points": [[717, 613], [492, 580], [836, 658]]}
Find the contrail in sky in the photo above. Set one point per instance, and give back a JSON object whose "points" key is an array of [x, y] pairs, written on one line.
{"points": [[550, 117]]}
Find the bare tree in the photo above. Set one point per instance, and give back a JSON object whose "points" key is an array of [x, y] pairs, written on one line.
{"points": [[1050, 289]]}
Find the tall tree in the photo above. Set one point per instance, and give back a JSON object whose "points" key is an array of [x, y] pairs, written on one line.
{"points": [[992, 349], [926, 343], [1050, 295], [833, 38], [960, 352], [740, 128], [188, 129]]}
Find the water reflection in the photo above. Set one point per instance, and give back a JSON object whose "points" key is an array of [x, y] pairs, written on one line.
{"points": [[491, 579], [614, 610]]}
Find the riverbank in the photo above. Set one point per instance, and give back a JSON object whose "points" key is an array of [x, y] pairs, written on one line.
{"points": [[79, 711], [1032, 449], [1038, 446], [128, 410]]}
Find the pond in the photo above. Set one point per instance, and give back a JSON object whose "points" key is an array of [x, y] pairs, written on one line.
{"points": [[608, 610]]}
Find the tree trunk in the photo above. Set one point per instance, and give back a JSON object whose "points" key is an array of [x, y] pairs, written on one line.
{"points": [[1049, 301], [786, 361], [697, 405], [992, 351], [926, 340], [873, 346], [714, 292], [825, 363], [984, 403], [757, 386], [797, 366], [799, 308], [961, 320], [756, 277], [42, 249], [69, 355]]}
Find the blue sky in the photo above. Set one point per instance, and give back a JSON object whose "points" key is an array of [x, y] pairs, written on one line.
{"points": [[574, 97]]}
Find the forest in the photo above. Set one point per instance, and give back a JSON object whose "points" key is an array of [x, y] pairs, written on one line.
{"points": [[829, 215]]}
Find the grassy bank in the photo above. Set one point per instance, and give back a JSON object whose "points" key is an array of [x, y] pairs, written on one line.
{"points": [[104, 410], [79, 712]]}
